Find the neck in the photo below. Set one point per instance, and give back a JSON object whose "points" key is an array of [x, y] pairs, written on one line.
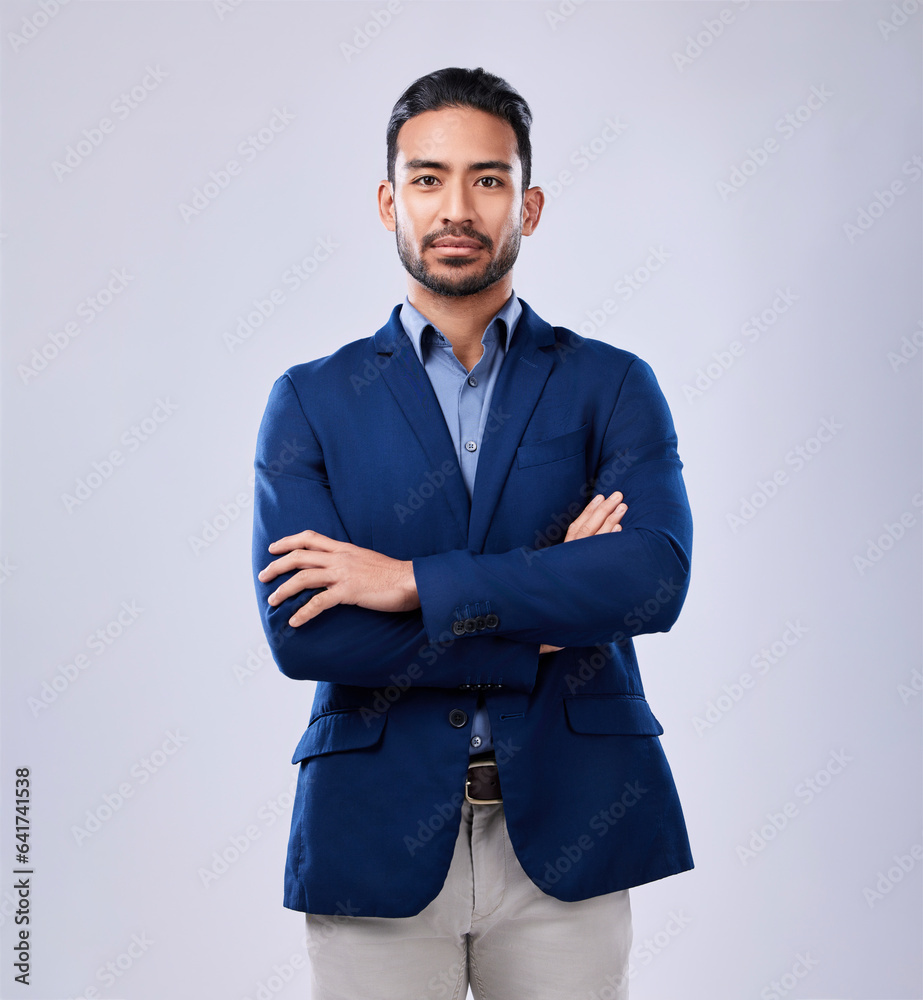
{"points": [[463, 318]]}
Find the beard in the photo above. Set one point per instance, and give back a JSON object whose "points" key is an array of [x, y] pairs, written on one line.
{"points": [[470, 280]]}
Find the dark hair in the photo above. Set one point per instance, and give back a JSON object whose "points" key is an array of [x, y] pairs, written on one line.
{"points": [[464, 88]]}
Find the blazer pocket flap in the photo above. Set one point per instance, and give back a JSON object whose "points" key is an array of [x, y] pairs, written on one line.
{"points": [[624, 714], [349, 729], [552, 450]]}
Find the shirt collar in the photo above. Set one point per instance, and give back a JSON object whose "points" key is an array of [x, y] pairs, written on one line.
{"points": [[501, 327]]}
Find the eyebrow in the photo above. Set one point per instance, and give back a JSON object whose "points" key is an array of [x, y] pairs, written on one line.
{"points": [[437, 165]]}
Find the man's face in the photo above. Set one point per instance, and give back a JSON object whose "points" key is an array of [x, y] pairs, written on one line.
{"points": [[457, 210]]}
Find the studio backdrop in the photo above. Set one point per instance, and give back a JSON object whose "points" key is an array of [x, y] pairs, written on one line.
{"points": [[189, 207]]}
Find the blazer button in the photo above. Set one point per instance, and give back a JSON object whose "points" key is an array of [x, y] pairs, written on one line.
{"points": [[492, 621], [469, 625], [458, 718], [458, 627], [480, 623]]}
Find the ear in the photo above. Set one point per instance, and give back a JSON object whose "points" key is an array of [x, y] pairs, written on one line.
{"points": [[386, 205], [533, 201]]}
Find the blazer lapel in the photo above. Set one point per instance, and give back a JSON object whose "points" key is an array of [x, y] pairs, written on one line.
{"points": [[522, 377], [410, 385]]}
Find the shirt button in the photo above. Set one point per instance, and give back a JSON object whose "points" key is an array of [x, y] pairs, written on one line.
{"points": [[472, 381], [471, 446], [457, 718], [475, 741]]}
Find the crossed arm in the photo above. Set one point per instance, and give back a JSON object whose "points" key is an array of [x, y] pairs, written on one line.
{"points": [[366, 616], [355, 575]]}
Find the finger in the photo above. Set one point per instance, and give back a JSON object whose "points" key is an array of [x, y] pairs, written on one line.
{"points": [[592, 523], [305, 580], [307, 539], [311, 609], [612, 521], [298, 559], [606, 509], [593, 516], [581, 523]]}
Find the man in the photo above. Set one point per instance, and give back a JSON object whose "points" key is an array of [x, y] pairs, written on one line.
{"points": [[481, 780]]}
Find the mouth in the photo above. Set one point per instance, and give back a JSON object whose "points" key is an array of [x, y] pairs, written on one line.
{"points": [[456, 247]]}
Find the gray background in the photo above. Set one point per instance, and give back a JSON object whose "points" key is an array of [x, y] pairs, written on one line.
{"points": [[167, 530]]}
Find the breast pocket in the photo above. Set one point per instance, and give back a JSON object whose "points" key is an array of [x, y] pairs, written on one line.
{"points": [[554, 449]]}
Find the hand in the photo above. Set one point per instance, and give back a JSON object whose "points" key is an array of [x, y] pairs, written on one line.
{"points": [[351, 574], [600, 516]]}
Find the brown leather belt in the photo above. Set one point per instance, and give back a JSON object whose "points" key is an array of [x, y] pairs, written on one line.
{"points": [[482, 785]]}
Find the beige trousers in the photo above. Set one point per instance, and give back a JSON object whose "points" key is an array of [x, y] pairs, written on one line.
{"points": [[490, 927]]}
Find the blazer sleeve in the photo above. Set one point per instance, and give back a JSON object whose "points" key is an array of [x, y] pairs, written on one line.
{"points": [[347, 644], [590, 590]]}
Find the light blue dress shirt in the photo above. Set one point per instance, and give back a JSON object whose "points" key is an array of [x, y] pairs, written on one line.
{"points": [[465, 401]]}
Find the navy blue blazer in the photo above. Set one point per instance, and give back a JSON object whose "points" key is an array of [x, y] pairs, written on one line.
{"points": [[355, 446]]}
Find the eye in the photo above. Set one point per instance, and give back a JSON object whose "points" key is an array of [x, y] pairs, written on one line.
{"points": [[494, 181], [426, 177]]}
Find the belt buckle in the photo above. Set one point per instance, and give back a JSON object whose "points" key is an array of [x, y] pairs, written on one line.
{"points": [[480, 802]]}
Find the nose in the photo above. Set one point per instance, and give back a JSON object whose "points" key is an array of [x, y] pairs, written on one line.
{"points": [[457, 206]]}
